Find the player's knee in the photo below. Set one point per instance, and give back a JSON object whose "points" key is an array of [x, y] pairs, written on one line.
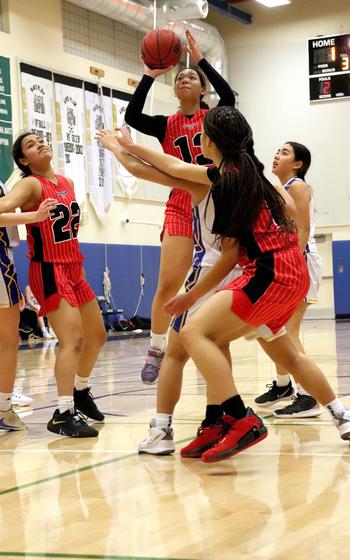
{"points": [[176, 355], [166, 288], [73, 342], [293, 359], [187, 334], [96, 338], [100, 336]]}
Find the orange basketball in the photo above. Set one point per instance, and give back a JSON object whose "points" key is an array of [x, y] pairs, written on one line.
{"points": [[161, 48]]}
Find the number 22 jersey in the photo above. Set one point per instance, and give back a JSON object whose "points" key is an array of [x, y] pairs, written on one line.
{"points": [[55, 239]]}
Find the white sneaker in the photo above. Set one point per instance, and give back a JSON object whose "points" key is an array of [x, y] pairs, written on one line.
{"points": [[10, 421], [46, 335], [52, 333], [343, 424], [159, 442], [19, 399]]}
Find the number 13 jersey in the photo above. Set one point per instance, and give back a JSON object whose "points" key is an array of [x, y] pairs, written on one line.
{"points": [[55, 239], [183, 140]]}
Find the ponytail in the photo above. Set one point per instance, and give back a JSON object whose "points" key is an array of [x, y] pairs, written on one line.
{"points": [[241, 190]]}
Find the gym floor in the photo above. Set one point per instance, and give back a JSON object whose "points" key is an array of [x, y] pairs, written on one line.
{"points": [[287, 497]]}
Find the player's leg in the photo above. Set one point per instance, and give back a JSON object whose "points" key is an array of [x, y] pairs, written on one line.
{"points": [[160, 440], [212, 427], [308, 374], [281, 389], [67, 324], [94, 337], [204, 337], [175, 261], [303, 405], [9, 338]]}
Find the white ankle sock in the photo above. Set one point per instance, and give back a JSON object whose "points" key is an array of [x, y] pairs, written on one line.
{"points": [[45, 333], [301, 390], [66, 402], [282, 380], [81, 383], [158, 341], [335, 408], [5, 401], [163, 420]]}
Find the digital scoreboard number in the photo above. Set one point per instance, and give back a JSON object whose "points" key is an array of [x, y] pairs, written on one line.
{"points": [[329, 67]]}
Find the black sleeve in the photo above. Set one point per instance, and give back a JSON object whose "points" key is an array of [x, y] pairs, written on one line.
{"points": [[222, 88], [153, 126], [212, 173]]}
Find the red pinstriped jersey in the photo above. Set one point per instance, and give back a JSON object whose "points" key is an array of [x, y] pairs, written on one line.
{"points": [[265, 236], [55, 239], [183, 137], [269, 236], [183, 140]]}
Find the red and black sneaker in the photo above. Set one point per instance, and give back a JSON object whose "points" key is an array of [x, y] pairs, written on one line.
{"points": [[207, 437], [241, 434]]}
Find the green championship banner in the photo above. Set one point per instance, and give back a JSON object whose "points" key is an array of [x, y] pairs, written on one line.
{"points": [[6, 164]]}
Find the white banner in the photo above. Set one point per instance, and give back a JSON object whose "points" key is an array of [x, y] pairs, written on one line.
{"points": [[99, 161], [37, 94], [69, 101], [126, 183]]}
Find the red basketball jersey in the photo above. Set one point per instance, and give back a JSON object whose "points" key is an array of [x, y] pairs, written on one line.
{"points": [[269, 236], [183, 140], [183, 137], [55, 239]]}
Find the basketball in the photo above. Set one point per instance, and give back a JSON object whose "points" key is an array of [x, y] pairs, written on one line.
{"points": [[161, 48]]}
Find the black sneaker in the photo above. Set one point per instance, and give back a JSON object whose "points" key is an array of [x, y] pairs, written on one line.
{"points": [[275, 394], [84, 401], [303, 406], [70, 424]]}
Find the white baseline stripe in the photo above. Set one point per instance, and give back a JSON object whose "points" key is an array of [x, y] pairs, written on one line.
{"points": [[100, 451]]}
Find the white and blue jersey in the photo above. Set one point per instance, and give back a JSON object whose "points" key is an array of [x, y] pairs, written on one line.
{"points": [[206, 252], [9, 290], [313, 258]]}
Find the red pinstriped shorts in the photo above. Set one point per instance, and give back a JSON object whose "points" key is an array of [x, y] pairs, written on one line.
{"points": [[270, 299], [178, 214], [51, 282]]}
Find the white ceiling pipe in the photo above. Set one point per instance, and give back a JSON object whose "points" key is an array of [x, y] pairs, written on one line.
{"points": [[176, 10], [140, 17]]}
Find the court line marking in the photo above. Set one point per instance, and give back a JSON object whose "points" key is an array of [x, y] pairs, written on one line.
{"points": [[107, 462], [83, 556], [296, 453], [83, 451], [74, 471]]}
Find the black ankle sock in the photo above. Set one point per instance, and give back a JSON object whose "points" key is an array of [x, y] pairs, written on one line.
{"points": [[234, 406], [212, 413]]}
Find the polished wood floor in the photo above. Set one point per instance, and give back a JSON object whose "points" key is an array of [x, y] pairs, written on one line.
{"points": [[285, 499]]}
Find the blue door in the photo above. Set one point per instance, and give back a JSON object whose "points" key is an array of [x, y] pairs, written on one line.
{"points": [[341, 278]]}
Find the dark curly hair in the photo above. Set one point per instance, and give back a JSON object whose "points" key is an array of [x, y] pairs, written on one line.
{"points": [[242, 189]]}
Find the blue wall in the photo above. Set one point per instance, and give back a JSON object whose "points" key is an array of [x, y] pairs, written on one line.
{"points": [[124, 263], [341, 278]]}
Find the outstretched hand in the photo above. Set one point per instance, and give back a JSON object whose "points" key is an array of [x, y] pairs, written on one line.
{"points": [[107, 138], [45, 208], [179, 304], [154, 72], [125, 139], [193, 47]]}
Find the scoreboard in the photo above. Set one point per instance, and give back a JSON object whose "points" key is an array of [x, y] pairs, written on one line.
{"points": [[329, 67]]}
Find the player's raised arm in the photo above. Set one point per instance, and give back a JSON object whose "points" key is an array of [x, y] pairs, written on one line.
{"points": [[145, 171], [16, 219], [164, 162]]}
